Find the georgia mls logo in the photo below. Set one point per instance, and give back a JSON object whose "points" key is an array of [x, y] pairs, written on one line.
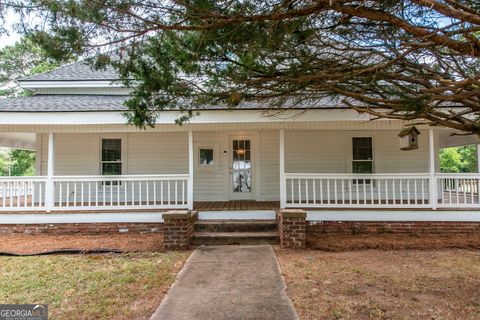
{"points": [[23, 312], [39, 311]]}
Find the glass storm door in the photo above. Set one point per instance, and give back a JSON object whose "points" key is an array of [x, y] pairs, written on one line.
{"points": [[241, 169]]}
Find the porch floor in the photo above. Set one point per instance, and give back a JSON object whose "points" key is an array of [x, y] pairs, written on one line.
{"points": [[235, 205]]}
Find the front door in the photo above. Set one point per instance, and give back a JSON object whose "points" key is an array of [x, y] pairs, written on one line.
{"points": [[241, 169]]}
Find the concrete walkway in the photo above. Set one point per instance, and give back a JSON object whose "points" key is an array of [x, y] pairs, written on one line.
{"points": [[228, 282]]}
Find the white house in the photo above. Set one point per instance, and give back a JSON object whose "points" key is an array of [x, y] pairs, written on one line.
{"points": [[319, 158]]}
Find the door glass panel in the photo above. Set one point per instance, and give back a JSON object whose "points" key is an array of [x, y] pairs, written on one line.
{"points": [[241, 165]]}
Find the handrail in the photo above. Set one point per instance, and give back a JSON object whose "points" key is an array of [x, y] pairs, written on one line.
{"points": [[355, 175], [458, 175], [122, 177], [15, 178]]}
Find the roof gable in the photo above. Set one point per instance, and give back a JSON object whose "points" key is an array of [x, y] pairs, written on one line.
{"points": [[77, 71]]}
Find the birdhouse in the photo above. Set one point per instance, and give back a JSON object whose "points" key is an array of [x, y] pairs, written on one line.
{"points": [[409, 138]]}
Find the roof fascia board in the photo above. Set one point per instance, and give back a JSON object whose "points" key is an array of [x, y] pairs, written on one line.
{"points": [[169, 117], [69, 84]]}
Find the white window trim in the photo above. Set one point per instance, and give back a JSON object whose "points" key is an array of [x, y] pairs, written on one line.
{"points": [[350, 150], [254, 138], [123, 138], [216, 159]]}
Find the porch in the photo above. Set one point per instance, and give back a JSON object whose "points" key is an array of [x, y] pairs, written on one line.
{"points": [[241, 170]]}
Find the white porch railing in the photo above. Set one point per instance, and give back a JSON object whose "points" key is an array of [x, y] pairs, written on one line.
{"points": [[166, 191], [22, 193], [458, 190], [357, 190], [302, 190]]}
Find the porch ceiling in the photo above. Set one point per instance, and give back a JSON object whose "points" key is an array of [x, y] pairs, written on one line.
{"points": [[452, 138], [332, 125], [19, 140]]}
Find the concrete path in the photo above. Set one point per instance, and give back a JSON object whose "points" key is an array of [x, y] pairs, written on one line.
{"points": [[228, 282]]}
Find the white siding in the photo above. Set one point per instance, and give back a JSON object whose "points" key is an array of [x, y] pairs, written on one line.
{"points": [[157, 153], [211, 183], [269, 166], [149, 153], [316, 151], [305, 151], [390, 159], [95, 91], [330, 152], [75, 154]]}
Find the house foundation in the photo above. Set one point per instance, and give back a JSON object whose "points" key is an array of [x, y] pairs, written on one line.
{"points": [[392, 227], [93, 228]]}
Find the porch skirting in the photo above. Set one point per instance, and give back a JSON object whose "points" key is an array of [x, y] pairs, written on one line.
{"points": [[313, 227], [295, 226]]}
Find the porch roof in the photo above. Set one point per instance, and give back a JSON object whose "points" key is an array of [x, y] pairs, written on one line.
{"points": [[64, 103], [99, 102]]}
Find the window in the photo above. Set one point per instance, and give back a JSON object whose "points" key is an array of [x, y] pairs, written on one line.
{"points": [[111, 162], [242, 166], [362, 157], [206, 157]]}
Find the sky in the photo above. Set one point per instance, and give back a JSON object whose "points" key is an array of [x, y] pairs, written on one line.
{"points": [[8, 39]]}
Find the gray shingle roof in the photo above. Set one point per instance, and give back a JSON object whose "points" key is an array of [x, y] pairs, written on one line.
{"points": [[63, 103], [79, 103], [78, 71]]}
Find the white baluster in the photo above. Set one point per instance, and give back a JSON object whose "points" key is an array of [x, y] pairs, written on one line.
{"points": [[335, 192], [176, 192], [154, 193], [161, 192], [148, 191], [168, 193], [306, 190]]}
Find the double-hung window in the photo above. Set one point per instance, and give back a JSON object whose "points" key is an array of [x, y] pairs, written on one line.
{"points": [[111, 158], [362, 157]]}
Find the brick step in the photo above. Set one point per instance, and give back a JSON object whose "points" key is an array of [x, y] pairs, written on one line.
{"points": [[230, 238], [236, 225]]}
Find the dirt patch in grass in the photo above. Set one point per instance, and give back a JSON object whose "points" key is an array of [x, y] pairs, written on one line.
{"points": [[21, 243], [330, 242], [127, 286], [379, 284]]}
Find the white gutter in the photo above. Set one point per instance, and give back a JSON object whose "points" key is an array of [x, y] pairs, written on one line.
{"points": [[32, 85], [169, 117]]}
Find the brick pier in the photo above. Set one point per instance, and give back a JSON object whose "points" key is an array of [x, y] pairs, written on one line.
{"points": [[292, 228], [178, 228]]}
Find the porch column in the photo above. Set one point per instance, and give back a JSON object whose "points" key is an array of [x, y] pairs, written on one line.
{"points": [[49, 187], [431, 170], [478, 157], [190, 171], [283, 187]]}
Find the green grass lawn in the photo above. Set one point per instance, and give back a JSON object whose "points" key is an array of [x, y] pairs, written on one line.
{"points": [[85, 287]]}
